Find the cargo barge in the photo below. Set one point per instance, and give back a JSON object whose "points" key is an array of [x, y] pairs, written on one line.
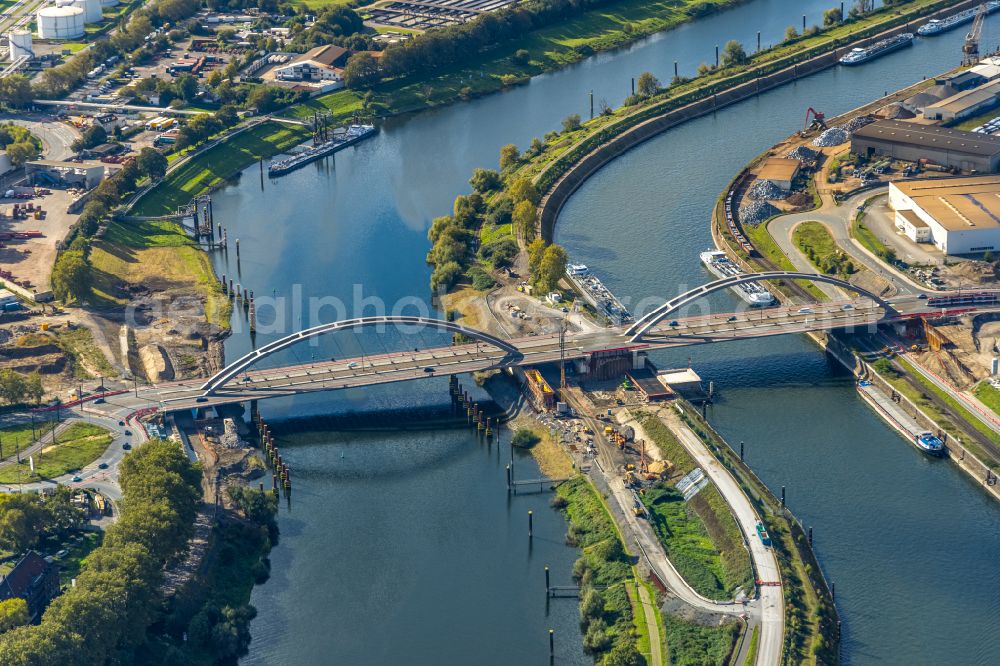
{"points": [[341, 139], [935, 26], [859, 55], [597, 295], [719, 265]]}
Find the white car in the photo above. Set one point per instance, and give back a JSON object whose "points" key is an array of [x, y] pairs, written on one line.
{"points": [[805, 311], [352, 365]]}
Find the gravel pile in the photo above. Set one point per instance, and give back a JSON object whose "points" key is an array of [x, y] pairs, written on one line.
{"points": [[803, 153], [831, 137], [854, 124], [755, 212], [765, 189]]}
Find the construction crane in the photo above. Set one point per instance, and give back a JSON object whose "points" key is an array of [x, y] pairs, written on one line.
{"points": [[970, 49], [818, 120]]}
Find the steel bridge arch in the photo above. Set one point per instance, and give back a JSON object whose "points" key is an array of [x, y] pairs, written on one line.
{"points": [[651, 319], [228, 373]]}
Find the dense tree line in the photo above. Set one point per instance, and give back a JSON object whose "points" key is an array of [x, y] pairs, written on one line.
{"points": [[458, 44], [105, 616]]}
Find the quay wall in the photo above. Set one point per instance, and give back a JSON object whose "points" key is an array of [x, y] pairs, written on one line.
{"points": [[559, 193]]}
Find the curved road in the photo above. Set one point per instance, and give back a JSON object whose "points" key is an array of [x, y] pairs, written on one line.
{"points": [[837, 219]]}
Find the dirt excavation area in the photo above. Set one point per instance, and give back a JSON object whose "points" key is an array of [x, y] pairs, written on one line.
{"points": [[156, 300], [966, 352]]}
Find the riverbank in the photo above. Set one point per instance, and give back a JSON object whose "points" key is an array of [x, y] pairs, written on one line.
{"points": [[220, 163]]}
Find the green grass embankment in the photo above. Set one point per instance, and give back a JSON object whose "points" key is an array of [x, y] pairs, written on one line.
{"points": [[217, 164], [77, 446], [751, 658], [817, 244], [700, 536], [810, 617], [153, 255], [690, 644], [21, 435], [604, 562], [602, 28]]}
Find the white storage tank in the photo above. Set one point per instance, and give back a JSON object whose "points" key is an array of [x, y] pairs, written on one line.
{"points": [[91, 10], [20, 44], [60, 23]]}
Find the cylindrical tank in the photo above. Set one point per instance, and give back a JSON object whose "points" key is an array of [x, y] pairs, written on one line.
{"points": [[60, 22], [109, 3], [20, 44], [91, 10]]}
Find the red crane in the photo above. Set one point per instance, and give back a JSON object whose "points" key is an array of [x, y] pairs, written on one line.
{"points": [[819, 120]]}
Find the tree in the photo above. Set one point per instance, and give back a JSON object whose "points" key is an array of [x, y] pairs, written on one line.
{"points": [[445, 275], [485, 180], [21, 152], [362, 71], [791, 34], [551, 268], [523, 189], [187, 87], [94, 135], [13, 613], [733, 54], [623, 654], [33, 389], [262, 98], [536, 250], [591, 606], [15, 91], [647, 85], [71, 276], [571, 122], [17, 530], [12, 386], [509, 156], [524, 220], [524, 438], [832, 17], [152, 163], [521, 57]]}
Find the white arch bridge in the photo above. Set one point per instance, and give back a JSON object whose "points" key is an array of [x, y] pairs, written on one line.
{"points": [[242, 380]]}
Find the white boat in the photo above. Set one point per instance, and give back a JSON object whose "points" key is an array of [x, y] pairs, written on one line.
{"points": [[935, 26], [718, 264], [856, 56]]}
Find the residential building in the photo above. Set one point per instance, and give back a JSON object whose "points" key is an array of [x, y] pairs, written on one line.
{"points": [[34, 580]]}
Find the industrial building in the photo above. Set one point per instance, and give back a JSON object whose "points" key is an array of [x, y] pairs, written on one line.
{"points": [[67, 174], [319, 64], [968, 151], [779, 170], [965, 104], [957, 215]]}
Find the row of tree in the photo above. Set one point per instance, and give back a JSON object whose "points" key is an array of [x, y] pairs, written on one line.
{"points": [[446, 47], [104, 617]]}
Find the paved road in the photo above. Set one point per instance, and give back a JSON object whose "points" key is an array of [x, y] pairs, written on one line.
{"points": [[103, 480], [371, 370], [837, 219], [56, 137], [770, 601]]}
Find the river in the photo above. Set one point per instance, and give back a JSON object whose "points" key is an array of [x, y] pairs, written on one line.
{"points": [[404, 548]]}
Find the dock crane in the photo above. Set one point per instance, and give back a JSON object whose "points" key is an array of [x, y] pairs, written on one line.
{"points": [[818, 121], [970, 49]]}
